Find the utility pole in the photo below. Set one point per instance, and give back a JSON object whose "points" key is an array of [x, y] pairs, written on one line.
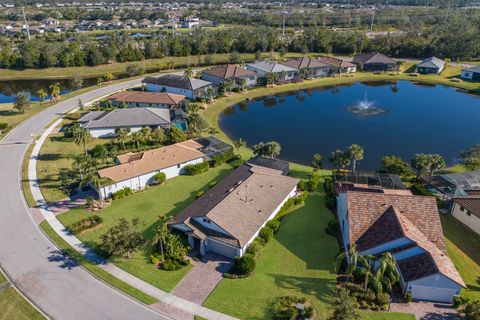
{"points": [[373, 19], [26, 23]]}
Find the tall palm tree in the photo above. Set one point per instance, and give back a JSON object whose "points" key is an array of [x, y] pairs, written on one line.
{"points": [[339, 159], [42, 94], [436, 162], [122, 135], [81, 135], [137, 138], [353, 258], [161, 234], [387, 271], [55, 91], [210, 94], [243, 83], [355, 153]]}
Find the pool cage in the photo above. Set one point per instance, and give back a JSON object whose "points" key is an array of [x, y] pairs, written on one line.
{"points": [[373, 179]]}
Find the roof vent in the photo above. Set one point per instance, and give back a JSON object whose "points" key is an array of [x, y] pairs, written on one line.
{"points": [[231, 189]]}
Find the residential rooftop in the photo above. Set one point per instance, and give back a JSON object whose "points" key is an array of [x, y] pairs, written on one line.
{"points": [[127, 117], [177, 81], [271, 67], [228, 71], [148, 97]]}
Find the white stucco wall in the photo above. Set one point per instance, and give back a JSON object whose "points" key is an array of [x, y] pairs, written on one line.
{"points": [[110, 132], [139, 183], [143, 105], [157, 88], [262, 74], [471, 221], [342, 218], [436, 287], [386, 246]]}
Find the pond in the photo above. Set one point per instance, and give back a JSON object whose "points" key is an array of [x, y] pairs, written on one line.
{"points": [[398, 118]]}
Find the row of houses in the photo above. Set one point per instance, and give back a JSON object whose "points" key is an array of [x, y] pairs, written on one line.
{"points": [[377, 214]]}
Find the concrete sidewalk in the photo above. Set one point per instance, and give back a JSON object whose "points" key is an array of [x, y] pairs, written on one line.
{"points": [[164, 297]]}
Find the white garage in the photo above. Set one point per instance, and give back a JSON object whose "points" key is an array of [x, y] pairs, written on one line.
{"points": [[222, 248], [433, 293]]}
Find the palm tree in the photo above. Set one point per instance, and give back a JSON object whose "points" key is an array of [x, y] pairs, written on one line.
{"points": [[55, 91], [122, 135], [161, 234], [436, 162], [210, 94], [146, 133], [387, 271], [271, 78], [188, 72], [420, 163], [42, 94], [282, 75], [355, 153], [243, 83], [353, 258], [81, 135], [137, 138], [339, 159]]}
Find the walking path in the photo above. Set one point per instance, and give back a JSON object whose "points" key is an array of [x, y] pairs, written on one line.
{"points": [[204, 277], [164, 297], [423, 310]]}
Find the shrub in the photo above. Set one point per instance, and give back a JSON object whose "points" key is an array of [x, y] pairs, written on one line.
{"points": [[221, 158], [85, 223], [300, 199], [266, 234], [285, 308], [254, 248], [199, 194], [154, 259], [274, 225], [472, 310], [125, 192], [409, 296], [244, 265], [194, 169], [312, 183], [383, 299], [160, 178], [237, 163], [174, 264], [333, 228], [3, 126], [420, 190], [459, 301], [212, 184]]}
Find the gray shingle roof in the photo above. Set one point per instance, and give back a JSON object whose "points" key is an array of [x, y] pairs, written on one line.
{"points": [[374, 57], [475, 69], [126, 118], [270, 66], [176, 81], [432, 62]]}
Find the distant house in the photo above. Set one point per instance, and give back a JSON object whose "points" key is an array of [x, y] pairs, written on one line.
{"points": [[229, 216], [102, 124], [338, 65], [147, 99], [219, 74], [454, 184], [136, 170], [472, 74], [467, 210], [431, 65], [375, 62], [191, 22], [192, 88], [265, 67], [409, 228], [312, 68]]}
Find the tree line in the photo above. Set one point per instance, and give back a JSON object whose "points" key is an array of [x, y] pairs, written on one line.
{"points": [[455, 39]]}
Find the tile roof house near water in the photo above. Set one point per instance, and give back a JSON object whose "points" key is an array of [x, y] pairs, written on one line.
{"points": [[264, 67], [375, 62], [147, 99], [218, 74], [432, 65], [409, 227], [313, 68]]}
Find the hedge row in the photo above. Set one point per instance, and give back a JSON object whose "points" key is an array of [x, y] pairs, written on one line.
{"points": [[194, 169], [125, 192], [85, 223], [221, 158]]}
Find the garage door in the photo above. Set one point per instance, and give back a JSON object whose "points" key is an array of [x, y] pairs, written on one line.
{"points": [[433, 293], [222, 249]]}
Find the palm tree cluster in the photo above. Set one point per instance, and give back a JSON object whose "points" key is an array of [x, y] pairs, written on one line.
{"points": [[421, 163], [267, 149], [342, 159]]}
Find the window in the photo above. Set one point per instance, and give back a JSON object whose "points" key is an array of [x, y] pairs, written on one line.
{"points": [[178, 165]]}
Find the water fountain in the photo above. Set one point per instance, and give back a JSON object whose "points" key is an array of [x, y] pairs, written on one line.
{"points": [[366, 108]]}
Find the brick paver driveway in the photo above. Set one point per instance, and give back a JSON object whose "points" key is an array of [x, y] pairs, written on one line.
{"points": [[423, 310], [203, 278]]}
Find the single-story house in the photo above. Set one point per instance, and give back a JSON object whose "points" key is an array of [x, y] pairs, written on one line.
{"points": [[147, 99], [467, 210], [375, 62], [229, 216], [431, 65], [219, 74], [338, 65], [136, 170], [472, 74], [102, 124], [407, 226], [265, 67], [313, 68], [192, 88], [453, 185]]}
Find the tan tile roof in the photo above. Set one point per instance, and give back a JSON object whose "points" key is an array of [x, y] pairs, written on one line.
{"points": [[364, 208], [336, 62], [228, 71], [137, 164], [305, 62], [148, 97]]}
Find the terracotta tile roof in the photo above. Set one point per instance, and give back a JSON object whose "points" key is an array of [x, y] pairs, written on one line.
{"points": [[147, 97], [471, 203], [339, 63], [365, 208], [137, 164], [305, 62], [242, 202], [228, 71]]}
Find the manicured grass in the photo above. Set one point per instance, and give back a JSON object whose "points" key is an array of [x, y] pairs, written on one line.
{"points": [[2, 278], [95, 269], [169, 198], [11, 116], [463, 247], [386, 316], [13, 306]]}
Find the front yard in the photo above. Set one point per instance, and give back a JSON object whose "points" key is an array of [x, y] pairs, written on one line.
{"points": [[463, 247]]}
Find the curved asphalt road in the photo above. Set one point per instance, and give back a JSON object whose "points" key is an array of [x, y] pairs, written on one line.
{"points": [[29, 258]]}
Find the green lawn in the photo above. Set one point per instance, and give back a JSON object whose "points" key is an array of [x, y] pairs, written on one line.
{"points": [[2, 278], [13, 306], [463, 247], [169, 198], [386, 316], [13, 117]]}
